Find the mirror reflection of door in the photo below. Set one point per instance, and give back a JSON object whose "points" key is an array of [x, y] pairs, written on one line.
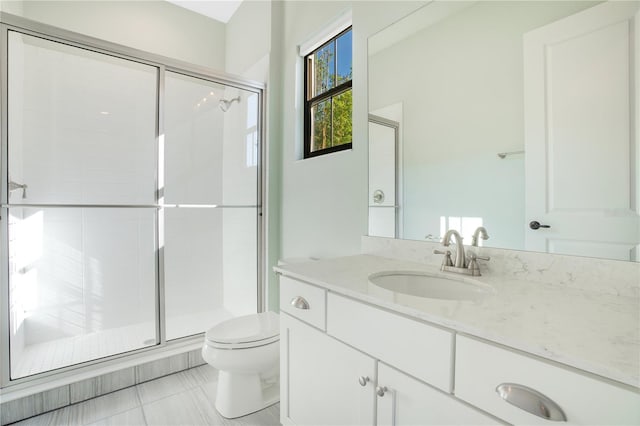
{"points": [[581, 140], [383, 177]]}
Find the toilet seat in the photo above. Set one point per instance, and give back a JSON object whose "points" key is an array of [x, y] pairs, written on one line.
{"points": [[247, 331]]}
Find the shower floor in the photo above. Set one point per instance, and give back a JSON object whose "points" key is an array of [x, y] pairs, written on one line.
{"points": [[40, 357]]}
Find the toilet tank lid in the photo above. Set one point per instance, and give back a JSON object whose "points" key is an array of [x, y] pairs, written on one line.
{"points": [[294, 260], [245, 329]]}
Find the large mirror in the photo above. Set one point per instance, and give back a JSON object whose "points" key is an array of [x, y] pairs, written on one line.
{"points": [[517, 116]]}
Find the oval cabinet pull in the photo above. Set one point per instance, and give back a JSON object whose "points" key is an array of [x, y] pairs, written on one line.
{"points": [[299, 302], [363, 380], [531, 401], [381, 390]]}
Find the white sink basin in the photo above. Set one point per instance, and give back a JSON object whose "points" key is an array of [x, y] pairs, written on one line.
{"points": [[423, 284]]}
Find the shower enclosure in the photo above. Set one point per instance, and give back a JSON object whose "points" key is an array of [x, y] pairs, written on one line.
{"points": [[131, 190]]}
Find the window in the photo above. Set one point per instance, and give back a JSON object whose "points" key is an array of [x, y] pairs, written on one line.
{"points": [[328, 97]]}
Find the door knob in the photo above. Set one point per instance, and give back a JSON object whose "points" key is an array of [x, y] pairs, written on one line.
{"points": [[378, 196], [381, 390], [534, 224]]}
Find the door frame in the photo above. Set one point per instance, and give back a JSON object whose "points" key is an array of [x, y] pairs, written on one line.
{"points": [[376, 119]]}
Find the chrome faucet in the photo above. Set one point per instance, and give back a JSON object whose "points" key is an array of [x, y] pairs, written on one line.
{"points": [[462, 265], [460, 259], [481, 231]]}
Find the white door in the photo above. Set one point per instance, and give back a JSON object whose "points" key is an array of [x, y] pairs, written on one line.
{"points": [[407, 401], [581, 142], [382, 178], [320, 378]]}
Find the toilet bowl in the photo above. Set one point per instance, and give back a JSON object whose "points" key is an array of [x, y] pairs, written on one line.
{"points": [[245, 350]]}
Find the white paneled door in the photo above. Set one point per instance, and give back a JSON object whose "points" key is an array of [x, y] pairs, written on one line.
{"points": [[581, 141], [383, 205]]}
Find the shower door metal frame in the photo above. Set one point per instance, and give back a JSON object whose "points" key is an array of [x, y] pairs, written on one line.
{"points": [[163, 64]]}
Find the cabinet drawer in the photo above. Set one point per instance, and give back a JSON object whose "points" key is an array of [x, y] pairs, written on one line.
{"points": [[423, 351], [310, 306], [481, 367]]}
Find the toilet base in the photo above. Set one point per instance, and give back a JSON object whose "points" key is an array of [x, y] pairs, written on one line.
{"points": [[242, 394]]}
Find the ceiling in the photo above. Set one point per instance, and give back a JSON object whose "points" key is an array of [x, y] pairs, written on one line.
{"points": [[220, 10]]}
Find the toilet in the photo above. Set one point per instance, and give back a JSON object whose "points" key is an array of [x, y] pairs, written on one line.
{"points": [[245, 350]]}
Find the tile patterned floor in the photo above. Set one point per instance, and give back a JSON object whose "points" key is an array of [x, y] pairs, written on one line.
{"points": [[184, 398]]}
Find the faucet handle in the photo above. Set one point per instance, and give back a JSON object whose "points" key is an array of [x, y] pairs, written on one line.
{"points": [[473, 264], [474, 256], [447, 257]]}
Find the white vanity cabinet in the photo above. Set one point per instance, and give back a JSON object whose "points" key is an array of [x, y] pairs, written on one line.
{"points": [[351, 375], [526, 355]]}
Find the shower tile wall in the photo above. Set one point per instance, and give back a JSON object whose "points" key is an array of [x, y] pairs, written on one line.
{"points": [[34, 404], [151, 370], [101, 385]]}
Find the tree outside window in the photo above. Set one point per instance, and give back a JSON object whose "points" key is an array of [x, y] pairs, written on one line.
{"points": [[328, 97]]}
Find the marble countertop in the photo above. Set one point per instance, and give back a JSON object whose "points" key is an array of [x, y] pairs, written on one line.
{"points": [[595, 332]]}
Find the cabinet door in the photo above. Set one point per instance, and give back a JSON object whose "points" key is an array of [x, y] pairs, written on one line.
{"points": [[407, 401], [319, 378]]}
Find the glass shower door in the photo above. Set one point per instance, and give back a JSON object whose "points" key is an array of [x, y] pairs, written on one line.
{"points": [[210, 203], [81, 204]]}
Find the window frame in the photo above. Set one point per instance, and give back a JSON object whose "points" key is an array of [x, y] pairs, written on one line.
{"points": [[309, 103]]}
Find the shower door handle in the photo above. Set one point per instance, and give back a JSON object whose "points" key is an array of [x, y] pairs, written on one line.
{"points": [[299, 302]]}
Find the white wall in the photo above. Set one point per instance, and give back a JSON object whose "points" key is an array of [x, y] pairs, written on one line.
{"points": [[248, 39], [324, 199], [13, 7], [154, 26]]}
